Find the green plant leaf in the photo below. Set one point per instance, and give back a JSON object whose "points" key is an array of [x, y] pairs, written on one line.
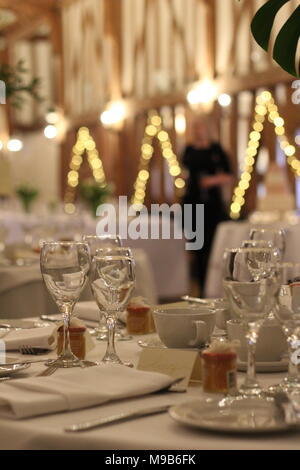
{"points": [[286, 43], [285, 47], [263, 21]]}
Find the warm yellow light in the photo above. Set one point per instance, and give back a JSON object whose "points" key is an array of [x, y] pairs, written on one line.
{"points": [[70, 208], [90, 145], [179, 183], [163, 136], [144, 175], [273, 115], [266, 96], [205, 92], [168, 153], [50, 132], [175, 171], [156, 121], [244, 184], [14, 145], [258, 127], [279, 130], [235, 208], [224, 100], [278, 122], [255, 136], [290, 150], [114, 114], [284, 144], [246, 176], [180, 124], [151, 130], [261, 110]]}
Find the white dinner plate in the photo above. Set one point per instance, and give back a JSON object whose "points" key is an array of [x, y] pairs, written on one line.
{"points": [[274, 366], [22, 324], [246, 416]]}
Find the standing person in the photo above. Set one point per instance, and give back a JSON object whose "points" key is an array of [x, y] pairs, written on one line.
{"points": [[209, 171]]}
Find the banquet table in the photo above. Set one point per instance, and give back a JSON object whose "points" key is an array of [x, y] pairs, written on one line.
{"points": [[157, 432], [231, 235]]}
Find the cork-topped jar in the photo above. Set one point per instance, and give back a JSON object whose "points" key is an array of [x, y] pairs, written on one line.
{"points": [[77, 340], [139, 317], [219, 367]]}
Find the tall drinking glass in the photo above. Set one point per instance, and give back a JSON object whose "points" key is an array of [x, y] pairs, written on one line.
{"points": [[112, 283], [65, 267], [277, 237], [95, 243], [251, 282], [287, 311]]}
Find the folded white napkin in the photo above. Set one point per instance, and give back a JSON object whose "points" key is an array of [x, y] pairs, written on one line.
{"points": [[34, 337], [87, 310], [73, 389]]}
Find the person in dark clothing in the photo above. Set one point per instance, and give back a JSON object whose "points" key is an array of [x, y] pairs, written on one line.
{"points": [[209, 170]]}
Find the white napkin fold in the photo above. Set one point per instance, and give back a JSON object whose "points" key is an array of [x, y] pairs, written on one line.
{"points": [[73, 389], [34, 337], [87, 310]]}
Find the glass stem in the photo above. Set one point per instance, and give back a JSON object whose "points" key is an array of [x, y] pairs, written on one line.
{"points": [[251, 386], [66, 345], [293, 371], [66, 350], [251, 371], [111, 325]]}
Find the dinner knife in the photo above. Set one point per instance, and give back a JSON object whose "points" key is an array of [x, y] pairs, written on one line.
{"points": [[88, 425]]}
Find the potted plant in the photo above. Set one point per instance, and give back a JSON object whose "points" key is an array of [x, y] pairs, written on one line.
{"points": [[94, 194], [27, 194]]}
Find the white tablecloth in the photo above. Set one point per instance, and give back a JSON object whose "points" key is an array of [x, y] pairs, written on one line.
{"points": [[167, 257], [23, 293], [154, 432], [230, 235]]}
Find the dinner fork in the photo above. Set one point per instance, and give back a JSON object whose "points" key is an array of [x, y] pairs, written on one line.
{"points": [[31, 350], [49, 371]]}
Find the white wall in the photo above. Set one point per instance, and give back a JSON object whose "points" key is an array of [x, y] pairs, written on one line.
{"points": [[37, 164]]}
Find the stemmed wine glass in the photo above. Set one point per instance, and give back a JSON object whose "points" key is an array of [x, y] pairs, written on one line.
{"points": [[95, 243], [65, 267], [112, 283], [276, 237], [251, 281], [287, 312]]}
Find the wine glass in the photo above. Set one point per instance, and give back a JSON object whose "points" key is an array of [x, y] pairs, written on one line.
{"points": [[112, 283], [251, 281], [277, 237], [95, 243], [65, 267], [287, 312]]}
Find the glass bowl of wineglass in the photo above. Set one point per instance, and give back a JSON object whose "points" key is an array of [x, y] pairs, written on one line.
{"points": [[65, 268], [112, 283]]}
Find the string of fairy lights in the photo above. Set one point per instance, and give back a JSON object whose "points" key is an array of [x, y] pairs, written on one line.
{"points": [[84, 143], [265, 108], [154, 130]]}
